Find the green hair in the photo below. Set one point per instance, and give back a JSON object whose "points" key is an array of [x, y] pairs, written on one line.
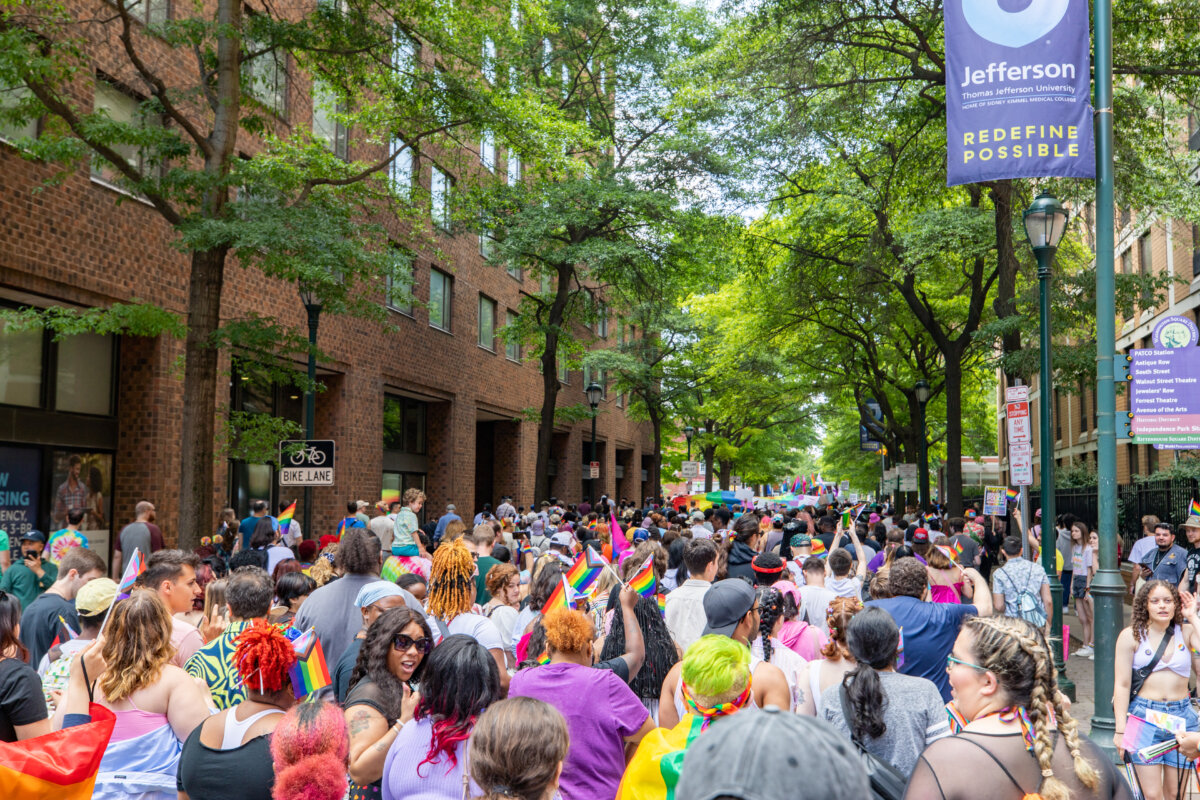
{"points": [[714, 665]]}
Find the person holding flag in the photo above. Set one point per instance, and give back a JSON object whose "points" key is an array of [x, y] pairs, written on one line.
{"points": [[289, 529]]}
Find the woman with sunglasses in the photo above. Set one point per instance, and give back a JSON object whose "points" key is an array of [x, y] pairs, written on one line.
{"points": [[1015, 736], [382, 698]]}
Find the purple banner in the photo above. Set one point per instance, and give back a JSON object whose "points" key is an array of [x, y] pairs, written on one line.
{"points": [[1163, 395], [1017, 84]]}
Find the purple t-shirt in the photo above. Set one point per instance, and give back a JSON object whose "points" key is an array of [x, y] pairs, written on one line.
{"points": [[881, 557], [600, 709]]}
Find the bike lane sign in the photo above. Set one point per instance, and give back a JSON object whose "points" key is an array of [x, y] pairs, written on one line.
{"points": [[306, 462]]}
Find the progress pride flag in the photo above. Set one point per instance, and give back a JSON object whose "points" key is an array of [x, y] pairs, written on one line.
{"points": [[1017, 84]]}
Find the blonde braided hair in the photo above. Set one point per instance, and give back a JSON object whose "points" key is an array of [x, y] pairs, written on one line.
{"points": [[451, 580], [1018, 655]]}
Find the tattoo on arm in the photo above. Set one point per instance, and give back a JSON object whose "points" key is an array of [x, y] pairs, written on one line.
{"points": [[359, 722]]}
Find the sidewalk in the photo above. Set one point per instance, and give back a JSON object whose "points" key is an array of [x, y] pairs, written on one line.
{"points": [[1082, 671]]}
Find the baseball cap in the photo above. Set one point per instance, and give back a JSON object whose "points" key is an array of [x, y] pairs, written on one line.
{"points": [[562, 539], [95, 596], [33, 536], [725, 603], [451, 507], [641, 535], [375, 591], [751, 755], [777, 518], [920, 535], [801, 540]]}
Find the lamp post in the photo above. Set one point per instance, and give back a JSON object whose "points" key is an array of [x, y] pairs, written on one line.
{"points": [[1108, 588], [923, 393], [312, 304], [688, 433], [1045, 220], [594, 393]]}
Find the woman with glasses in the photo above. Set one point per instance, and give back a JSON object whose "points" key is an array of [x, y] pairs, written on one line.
{"points": [[452, 591], [427, 759], [382, 699], [1015, 736]]}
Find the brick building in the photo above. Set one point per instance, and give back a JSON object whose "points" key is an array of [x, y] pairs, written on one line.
{"points": [[432, 398], [1150, 245]]}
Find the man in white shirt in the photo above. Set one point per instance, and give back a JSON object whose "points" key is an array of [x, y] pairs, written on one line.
{"points": [[685, 606], [505, 510], [815, 599]]}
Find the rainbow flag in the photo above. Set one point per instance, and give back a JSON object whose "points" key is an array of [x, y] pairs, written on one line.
{"points": [[620, 544], [654, 771], [643, 580], [310, 671], [285, 518], [136, 566], [662, 604], [1013, 495], [582, 574], [57, 766], [561, 597], [543, 659], [1195, 509]]}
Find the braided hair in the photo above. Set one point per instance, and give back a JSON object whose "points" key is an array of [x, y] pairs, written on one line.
{"points": [[1018, 655], [263, 657], [451, 581], [770, 610], [661, 652]]}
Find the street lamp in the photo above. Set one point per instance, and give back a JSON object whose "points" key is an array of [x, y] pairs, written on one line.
{"points": [[923, 392], [688, 433], [312, 304], [1045, 220], [594, 394]]}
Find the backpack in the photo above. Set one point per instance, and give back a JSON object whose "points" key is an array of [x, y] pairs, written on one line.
{"points": [[1029, 605]]}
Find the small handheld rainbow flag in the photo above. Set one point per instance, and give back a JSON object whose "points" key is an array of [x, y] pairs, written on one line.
{"points": [[582, 574], [135, 567], [561, 597], [643, 580], [662, 604], [1195, 509], [285, 518], [1013, 494], [310, 672]]}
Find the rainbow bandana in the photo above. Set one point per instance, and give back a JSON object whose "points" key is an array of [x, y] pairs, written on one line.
{"points": [[708, 714]]}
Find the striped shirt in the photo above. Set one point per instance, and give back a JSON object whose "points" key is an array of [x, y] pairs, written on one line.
{"points": [[214, 663]]}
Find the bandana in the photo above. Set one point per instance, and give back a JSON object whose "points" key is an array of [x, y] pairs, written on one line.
{"points": [[1009, 714], [723, 710]]}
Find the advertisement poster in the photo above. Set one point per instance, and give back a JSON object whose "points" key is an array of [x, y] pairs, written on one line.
{"points": [[1017, 91], [995, 500], [20, 472], [83, 481]]}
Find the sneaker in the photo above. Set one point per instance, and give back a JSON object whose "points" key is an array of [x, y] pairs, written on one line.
{"points": [[1085, 651]]}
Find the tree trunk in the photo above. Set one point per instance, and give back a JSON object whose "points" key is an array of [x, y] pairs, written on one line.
{"points": [[724, 474], [200, 398], [655, 457], [708, 468], [954, 485], [550, 387], [1005, 304]]}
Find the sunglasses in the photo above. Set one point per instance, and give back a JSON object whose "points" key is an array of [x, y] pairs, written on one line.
{"points": [[402, 644]]}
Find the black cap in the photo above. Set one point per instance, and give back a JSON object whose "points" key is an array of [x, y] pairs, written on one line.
{"points": [[33, 536]]}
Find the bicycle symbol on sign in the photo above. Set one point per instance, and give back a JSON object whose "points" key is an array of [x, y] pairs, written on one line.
{"points": [[307, 455]]}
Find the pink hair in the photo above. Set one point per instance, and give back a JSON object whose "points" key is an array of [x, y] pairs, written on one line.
{"points": [[310, 747]]}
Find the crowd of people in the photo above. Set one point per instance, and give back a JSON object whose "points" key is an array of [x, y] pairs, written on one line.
{"points": [[775, 653]]}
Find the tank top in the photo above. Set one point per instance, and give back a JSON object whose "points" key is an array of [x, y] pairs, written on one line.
{"points": [[235, 729], [1175, 658]]}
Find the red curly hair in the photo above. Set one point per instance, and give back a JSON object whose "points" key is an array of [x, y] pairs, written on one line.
{"points": [[567, 630], [263, 657]]}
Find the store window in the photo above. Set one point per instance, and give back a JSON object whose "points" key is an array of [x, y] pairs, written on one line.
{"points": [[248, 481], [83, 374], [21, 367], [73, 374], [403, 424]]}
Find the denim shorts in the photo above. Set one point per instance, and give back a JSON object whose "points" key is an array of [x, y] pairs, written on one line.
{"points": [[1079, 586], [1177, 708]]}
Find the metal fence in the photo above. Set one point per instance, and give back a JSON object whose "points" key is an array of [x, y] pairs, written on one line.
{"points": [[1168, 499]]}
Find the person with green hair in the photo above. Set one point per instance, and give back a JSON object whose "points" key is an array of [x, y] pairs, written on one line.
{"points": [[716, 680]]}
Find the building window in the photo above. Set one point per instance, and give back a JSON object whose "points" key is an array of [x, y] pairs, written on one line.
{"points": [[1127, 262], [126, 110], [441, 99], [1133, 460], [265, 76], [83, 374], [149, 12], [325, 126], [440, 185], [487, 323], [486, 244], [512, 345], [400, 171], [403, 425], [564, 374], [13, 129], [1124, 217], [398, 289], [514, 168], [406, 55], [1196, 251], [1082, 410], [489, 60], [602, 322], [21, 367], [547, 57], [1145, 264], [514, 271], [441, 294], [487, 150]]}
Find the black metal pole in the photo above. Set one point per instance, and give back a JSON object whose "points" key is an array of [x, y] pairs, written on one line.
{"points": [[591, 480]]}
